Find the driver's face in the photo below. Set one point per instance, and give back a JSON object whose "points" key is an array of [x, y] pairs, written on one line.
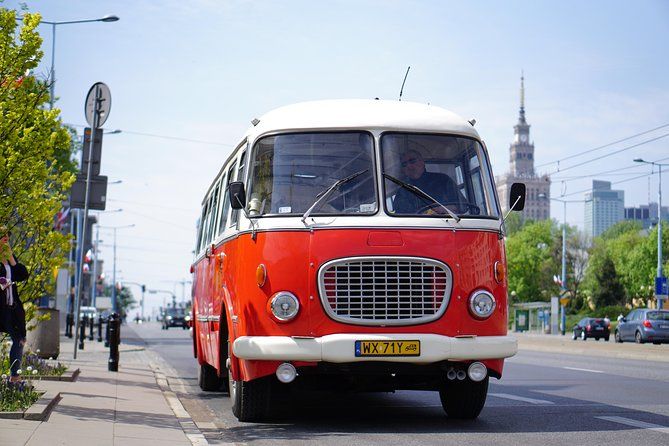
{"points": [[413, 165]]}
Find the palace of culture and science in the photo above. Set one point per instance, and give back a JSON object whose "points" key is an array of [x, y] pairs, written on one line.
{"points": [[521, 170]]}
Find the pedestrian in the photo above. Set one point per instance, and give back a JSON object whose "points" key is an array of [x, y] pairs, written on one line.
{"points": [[620, 318], [12, 315], [607, 321]]}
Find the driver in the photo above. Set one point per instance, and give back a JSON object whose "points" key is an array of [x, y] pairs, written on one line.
{"points": [[438, 185]]}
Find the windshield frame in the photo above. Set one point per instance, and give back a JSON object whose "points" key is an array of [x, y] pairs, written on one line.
{"points": [[373, 169], [485, 158]]}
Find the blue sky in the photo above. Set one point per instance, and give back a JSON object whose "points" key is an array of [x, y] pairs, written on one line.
{"points": [[595, 72]]}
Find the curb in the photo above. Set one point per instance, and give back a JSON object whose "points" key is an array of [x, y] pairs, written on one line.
{"points": [[189, 427], [39, 411], [66, 377]]}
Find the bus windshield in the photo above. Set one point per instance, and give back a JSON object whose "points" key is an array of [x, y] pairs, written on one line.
{"points": [[292, 171], [451, 172]]}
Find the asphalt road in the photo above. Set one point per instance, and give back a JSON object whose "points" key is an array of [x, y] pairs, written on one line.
{"points": [[543, 398]]}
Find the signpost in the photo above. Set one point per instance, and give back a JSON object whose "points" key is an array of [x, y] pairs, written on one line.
{"points": [[661, 291], [96, 109]]}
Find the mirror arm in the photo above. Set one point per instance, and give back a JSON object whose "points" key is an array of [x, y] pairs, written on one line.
{"points": [[253, 221], [501, 226]]}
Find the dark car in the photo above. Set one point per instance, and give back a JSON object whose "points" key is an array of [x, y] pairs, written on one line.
{"points": [[591, 327], [644, 325], [175, 317]]}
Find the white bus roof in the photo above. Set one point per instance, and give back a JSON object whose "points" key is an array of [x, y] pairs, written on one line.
{"points": [[362, 114]]}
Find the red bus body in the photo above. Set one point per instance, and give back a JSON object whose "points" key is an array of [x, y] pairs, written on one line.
{"points": [[237, 273]]}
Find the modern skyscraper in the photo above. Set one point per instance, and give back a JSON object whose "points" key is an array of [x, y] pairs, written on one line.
{"points": [[521, 165], [603, 208], [647, 214]]}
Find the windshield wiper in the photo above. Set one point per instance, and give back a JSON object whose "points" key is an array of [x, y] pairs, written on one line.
{"points": [[418, 191], [324, 195]]}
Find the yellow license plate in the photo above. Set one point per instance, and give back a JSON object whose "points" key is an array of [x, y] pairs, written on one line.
{"points": [[387, 348]]}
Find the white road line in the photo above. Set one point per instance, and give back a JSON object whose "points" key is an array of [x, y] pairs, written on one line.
{"points": [[583, 370], [636, 423], [520, 398]]}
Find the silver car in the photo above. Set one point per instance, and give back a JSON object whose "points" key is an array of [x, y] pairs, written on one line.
{"points": [[644, 325]]}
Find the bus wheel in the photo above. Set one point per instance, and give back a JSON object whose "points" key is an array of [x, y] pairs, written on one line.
{"points": [[463, 399], [250, 399], [208, 379]]}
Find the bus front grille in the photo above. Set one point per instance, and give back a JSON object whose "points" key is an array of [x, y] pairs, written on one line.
{"points": [[385, 290]]}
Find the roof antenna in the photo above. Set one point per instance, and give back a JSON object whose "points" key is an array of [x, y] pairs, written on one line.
{"points": [[403, 82]]}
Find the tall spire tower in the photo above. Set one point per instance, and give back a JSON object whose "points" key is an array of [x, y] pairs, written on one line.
{"points": [[521, 150], [521, 169]]}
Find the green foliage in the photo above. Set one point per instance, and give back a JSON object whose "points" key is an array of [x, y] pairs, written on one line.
{"points": [[34, 149], [609, 291], [532, 256], [620, 228], [126, 301]]}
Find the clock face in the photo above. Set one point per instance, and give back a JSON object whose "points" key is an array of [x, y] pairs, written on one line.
{"points": [[523, 138]]}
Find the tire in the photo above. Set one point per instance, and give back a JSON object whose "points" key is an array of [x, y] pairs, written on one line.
{"points": [[584, 336], [250, 399], [606, 338], [638, 338], [208, 379], [596, 339], [463, 399], [617, 337], [573, 336]]}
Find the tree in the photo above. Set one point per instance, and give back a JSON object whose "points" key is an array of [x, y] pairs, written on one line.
{"points": [[126, 301], [610, 291], [532, 256], [33, 144]]}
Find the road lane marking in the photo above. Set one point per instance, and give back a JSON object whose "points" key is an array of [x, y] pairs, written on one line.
{"points": [[636, 423], [520, 398], [583, 370]]}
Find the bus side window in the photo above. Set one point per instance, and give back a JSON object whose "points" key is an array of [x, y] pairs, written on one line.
{"points": [[226, 199], [241, 171]]}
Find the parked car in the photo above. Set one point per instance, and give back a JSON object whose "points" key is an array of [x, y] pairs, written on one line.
{"points": [[591, 327], [89, 312], [644, 325], [175, 317]]}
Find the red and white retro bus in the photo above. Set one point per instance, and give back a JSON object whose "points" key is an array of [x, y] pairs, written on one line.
{"points": [[353, 244]]}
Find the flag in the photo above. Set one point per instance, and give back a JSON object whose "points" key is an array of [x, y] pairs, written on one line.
{"points": [[61, 218], [88, 257]]}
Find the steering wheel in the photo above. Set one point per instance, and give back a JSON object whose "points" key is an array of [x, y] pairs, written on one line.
{"points": [[437, 209]]}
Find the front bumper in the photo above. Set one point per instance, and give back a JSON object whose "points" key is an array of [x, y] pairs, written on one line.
{"points": [[340, 348]]}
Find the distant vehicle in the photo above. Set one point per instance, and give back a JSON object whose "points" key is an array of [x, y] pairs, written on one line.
{"points": [[591, 327], [89, 312], [644, 325], [175, 317]]}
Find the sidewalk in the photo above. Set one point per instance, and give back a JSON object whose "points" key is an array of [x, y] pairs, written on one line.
{"points": [[611, 349], [103, 408]]}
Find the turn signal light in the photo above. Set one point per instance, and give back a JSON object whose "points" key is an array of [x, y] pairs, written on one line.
{"points": [[261, 275], [500, 272]]}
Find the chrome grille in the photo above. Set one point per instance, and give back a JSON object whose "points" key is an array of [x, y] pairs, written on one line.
{"points": [[385, 290]]}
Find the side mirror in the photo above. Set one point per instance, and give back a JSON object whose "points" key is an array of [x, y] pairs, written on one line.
{"points": [[237, 195], [517, 197], [624, 319]]}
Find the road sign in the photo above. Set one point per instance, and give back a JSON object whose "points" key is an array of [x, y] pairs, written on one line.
{"points": [[97, 197], [661, 288], [96, 155], [98, 99], [564, 301]]}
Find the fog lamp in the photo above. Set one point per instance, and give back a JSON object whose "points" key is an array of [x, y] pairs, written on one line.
{"points": [[286, 372], [477, 371]]}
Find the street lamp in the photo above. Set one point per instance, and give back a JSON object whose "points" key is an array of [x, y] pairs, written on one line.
{"points": [[52, 88], [563, 281], [115, 228], [659, 226]]}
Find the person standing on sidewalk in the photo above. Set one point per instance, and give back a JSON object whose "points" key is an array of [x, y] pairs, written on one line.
{"points": [[12, 315]]}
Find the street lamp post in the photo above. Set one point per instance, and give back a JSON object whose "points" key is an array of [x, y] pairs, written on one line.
{"points": [[563, 279], [659, 223], [115, 228], [52, 87]]}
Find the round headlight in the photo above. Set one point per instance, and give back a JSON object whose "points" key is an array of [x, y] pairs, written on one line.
{"points": [[481, 304], [284, 306]]}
